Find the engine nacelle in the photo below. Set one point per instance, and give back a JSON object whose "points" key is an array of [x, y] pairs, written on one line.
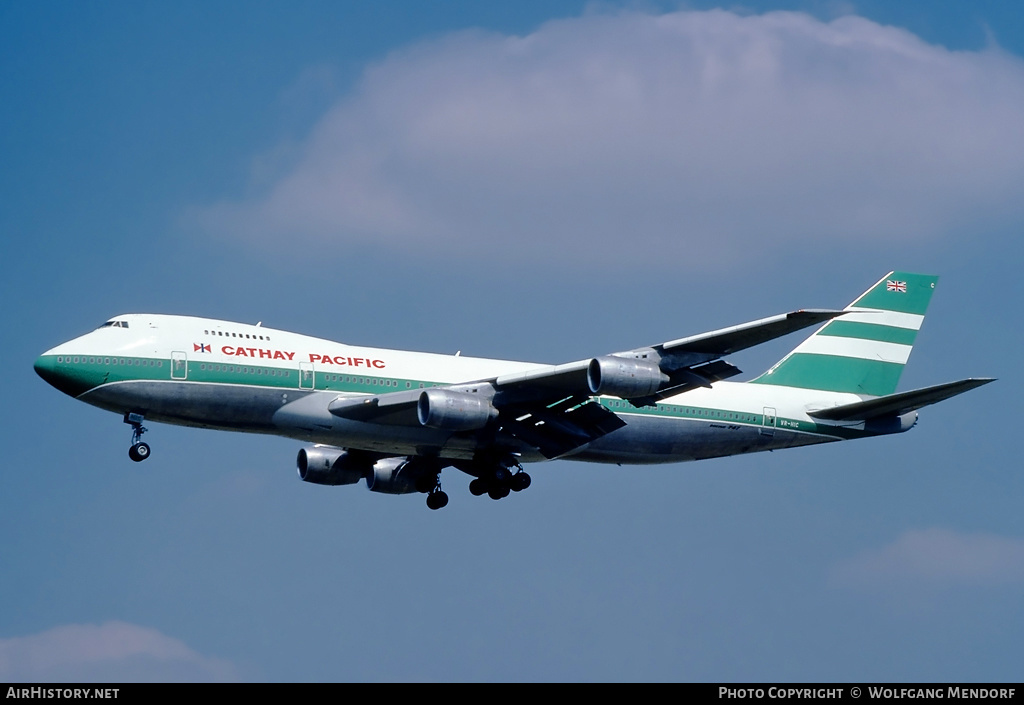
{"points": [[324, 465], [624, 377], [454, 411], [392, 476]]}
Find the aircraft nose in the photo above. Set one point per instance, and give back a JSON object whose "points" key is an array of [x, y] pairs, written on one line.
{"points": [[44, 367], [60, 376]]}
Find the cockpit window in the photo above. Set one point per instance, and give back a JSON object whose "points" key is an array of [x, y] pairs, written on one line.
{"points": [[115, 324]]}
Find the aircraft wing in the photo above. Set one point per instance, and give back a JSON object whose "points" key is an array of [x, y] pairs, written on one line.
{"points": [[394, 408], [551, 407], [729, 340], [644, 376], [553, 427]]}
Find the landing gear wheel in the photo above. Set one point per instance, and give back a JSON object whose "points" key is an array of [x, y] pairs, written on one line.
{"points": [[437, 500], [139, 452], [501, 475], [498, 492], [477, 487], [520, 481]]}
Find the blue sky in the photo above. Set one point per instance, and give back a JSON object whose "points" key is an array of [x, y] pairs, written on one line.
{"points": [[535, 180]]}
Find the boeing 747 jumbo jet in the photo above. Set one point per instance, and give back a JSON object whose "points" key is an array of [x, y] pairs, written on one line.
{"points": [[396, 419]]}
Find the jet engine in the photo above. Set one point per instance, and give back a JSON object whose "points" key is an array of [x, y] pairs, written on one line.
{"points": [[392, 476], [325, 465], [624, 377], [454, 411]]}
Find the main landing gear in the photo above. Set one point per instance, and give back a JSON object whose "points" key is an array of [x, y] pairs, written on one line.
{"points": [[494, 479], [500, 481], [139, 450]]}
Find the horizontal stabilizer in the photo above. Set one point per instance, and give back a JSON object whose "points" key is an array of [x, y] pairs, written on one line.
{"points": [[898, 404]]}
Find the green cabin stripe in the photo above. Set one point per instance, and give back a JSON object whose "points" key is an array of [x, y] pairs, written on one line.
{"points": [[836, 374], [914, 300], [870, 331], [83, 373]]}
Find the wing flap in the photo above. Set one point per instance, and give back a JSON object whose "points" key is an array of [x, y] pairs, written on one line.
{"points": [[899, 404], [561, 427], [688, 378]]}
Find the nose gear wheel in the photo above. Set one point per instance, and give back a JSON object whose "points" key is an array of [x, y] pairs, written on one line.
{"points": [[138, 451]]}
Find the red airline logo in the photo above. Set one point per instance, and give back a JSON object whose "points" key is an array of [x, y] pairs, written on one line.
{"points": [[266, 354], [257, 352], [350, 361]]}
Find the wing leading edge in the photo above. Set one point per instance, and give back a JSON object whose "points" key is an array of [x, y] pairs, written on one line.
{"points": [[673, 367]]}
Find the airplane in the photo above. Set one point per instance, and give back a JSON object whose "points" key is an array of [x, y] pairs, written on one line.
{"points": [[396, 419]]}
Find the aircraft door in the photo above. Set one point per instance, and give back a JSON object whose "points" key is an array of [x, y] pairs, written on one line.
{"points": [[179, 365], [306, 377], [768, 422]]}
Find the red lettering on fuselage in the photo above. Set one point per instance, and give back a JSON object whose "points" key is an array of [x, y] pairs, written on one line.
{"points": [[313, 357], [347, 361], [257, 352]]}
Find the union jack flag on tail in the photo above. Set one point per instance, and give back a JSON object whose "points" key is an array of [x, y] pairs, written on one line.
{"points": [[900, 287]]}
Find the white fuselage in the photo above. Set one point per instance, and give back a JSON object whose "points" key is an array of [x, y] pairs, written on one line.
{"points": [[217, 374]]}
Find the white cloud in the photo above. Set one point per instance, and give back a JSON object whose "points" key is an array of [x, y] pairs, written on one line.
{"points": [[109, 652], [654, 141], [937, 558]]}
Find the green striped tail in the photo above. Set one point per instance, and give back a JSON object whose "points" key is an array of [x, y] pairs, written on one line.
{"points": [[865, 350]]}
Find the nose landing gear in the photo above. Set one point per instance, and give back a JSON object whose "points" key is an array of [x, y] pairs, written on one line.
{"points": [[139, 451]]}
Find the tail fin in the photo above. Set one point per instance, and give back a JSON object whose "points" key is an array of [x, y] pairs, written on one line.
{"points": [[863, 351]]}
